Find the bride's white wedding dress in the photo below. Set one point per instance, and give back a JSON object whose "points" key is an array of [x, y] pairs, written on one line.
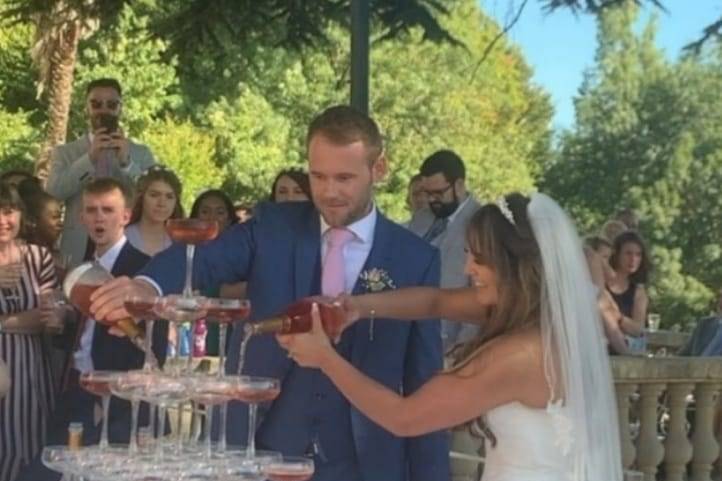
{"points": [[532, 444]]}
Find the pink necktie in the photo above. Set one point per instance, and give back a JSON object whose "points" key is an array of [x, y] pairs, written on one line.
{"points": [[333, 275]]}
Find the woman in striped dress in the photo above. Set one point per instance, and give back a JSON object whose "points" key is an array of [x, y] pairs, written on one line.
{"points": [[26, 270]]}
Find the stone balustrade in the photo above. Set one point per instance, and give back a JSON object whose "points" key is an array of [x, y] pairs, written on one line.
{"points": [[670, 402], [666, 409]]}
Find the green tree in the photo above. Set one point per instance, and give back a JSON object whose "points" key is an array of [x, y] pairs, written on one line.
{"points": [[424, 95], [647, 137], [189, 152]]}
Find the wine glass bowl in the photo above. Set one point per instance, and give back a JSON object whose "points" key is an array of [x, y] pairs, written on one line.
{"points": [[98, 382], [226, 311], [192, 231], [290, 468], [181, 309], [142, 307], [254, 390]]}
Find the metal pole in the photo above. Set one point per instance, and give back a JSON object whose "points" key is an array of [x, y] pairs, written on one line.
{"points": [[360, 54]]}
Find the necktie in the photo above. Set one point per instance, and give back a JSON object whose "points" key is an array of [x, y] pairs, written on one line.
{"points": [[333, 274], [436, 229]]}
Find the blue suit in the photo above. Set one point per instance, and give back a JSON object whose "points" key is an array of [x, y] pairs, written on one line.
{"points": [[278, 254]]}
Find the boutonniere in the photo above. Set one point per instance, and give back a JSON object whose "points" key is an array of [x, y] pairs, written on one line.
{"points": [[375, 280]]}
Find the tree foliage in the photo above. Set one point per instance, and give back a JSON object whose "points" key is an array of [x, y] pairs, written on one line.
{"points": [[648, 136]]}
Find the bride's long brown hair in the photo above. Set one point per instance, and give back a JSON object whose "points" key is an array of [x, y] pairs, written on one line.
{"points": [[511, 251]]}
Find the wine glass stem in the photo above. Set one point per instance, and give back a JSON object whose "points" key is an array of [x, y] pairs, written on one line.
{"points": [[152, 410], [179, 438], [207, 429], [148, 363], [192, 337], [251, 446], [104, 433], [133, 445], [161, 432], [222, 432], [222, 348], [188, 289]]}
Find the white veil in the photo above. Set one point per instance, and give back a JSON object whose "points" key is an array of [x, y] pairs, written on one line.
{"points": [[575, 356]]}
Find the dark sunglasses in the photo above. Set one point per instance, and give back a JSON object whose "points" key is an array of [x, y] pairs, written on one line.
{"points": [[109, 104]]}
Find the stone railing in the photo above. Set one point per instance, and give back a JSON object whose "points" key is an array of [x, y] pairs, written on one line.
{"points": [[670, 402], [667, 411]]}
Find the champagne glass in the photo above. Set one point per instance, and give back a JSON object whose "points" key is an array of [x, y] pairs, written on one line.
{"points": [[11, 274], [132, 386], [163, 392], [290, 468], [224, 312], [253, 390], [144, 308], [191, 232], [98, 383], [211, 391]]}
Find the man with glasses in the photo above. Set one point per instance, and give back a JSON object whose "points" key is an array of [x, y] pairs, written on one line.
{"points": [[104, 151], [443, 224]]}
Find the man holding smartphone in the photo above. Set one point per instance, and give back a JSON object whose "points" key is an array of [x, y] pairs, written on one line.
{"points": [[104, 151]]}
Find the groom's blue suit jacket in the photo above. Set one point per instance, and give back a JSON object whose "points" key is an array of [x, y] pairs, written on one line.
{"points": [[278, 254]]}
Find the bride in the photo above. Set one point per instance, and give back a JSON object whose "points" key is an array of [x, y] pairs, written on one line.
{"points": [[538, 376]]}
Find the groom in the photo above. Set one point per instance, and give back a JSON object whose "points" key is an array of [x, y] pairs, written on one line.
{"points": [[340, 243]]}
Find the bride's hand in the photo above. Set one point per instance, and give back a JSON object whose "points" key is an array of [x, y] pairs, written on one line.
{"points": [[309, 349]]}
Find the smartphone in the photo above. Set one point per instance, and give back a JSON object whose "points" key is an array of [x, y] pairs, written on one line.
{"points": [[109, 123]]}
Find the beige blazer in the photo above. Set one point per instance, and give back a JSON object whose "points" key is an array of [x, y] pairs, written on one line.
{"points": [[70, 170]]}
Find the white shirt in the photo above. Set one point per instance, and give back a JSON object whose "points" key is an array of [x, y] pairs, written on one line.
{"points": [[357, 250], [82, 358]]}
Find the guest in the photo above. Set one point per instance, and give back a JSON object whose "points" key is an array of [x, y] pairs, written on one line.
{"points": [[291, 185], [105, 212], [158, 195], [537, 372], [416, 198], [443, 225], [215, 205], [631, 269], [598, 251], [706, 338], [104, 151], [27, 271], [45, 219], [45, 224], [611, 229]]}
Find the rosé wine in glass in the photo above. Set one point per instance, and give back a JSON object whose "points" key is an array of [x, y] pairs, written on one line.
{"points": [[192, 231]]}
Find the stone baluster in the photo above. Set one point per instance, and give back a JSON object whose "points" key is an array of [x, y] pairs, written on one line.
{"points": [[650, 451], [624, 392], [677, 448], [706, 448]]}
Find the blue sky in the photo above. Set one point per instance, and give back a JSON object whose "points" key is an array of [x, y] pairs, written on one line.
{"points": [[561, 46]]}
